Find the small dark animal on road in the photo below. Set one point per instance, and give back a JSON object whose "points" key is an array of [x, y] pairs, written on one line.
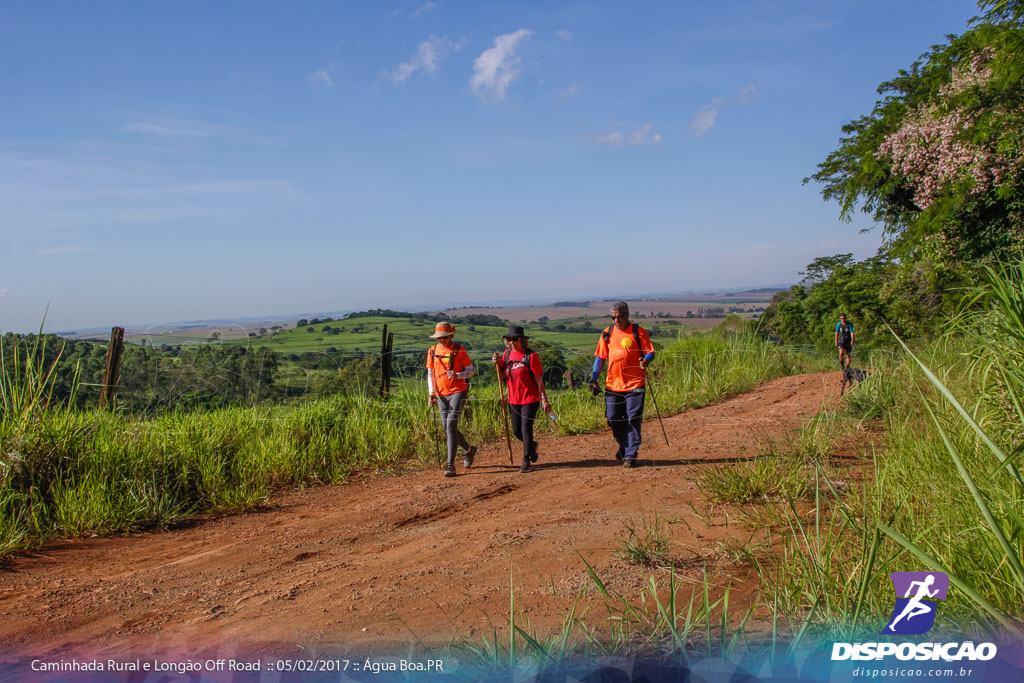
{"points": [[852, 376]]}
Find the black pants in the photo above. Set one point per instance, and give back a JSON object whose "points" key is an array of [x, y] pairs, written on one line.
{"points": [[522, 425]]}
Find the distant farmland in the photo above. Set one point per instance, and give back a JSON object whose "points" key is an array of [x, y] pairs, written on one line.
{"points": [[642, 310]]}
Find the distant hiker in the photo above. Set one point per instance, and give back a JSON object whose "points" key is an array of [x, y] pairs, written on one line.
{"points": [[448, 368], [628, 350], [844, 341], [520, 367]]}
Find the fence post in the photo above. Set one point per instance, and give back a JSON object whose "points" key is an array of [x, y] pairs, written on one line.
{"points": [[388, 357], [568, 379], [383, 362], [112, 374]]}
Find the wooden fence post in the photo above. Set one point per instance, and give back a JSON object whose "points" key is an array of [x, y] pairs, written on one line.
{"points": [[568, 379], [383, 393], [112, 374], [388, 357]]}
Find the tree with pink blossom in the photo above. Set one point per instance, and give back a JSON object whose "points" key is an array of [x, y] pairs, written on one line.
{"points": [[939, 162]]}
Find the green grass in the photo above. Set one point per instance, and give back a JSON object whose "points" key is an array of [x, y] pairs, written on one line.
{"points": [[412, 336], [646, 543], [66, 472], [769, 477], [942, 492], [657, 628]]}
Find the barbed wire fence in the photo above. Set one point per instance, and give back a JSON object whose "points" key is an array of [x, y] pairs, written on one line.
{"points": [[212, 371]]}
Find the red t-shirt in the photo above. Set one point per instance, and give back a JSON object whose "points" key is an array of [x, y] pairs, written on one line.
{"points": [[522, 381]]}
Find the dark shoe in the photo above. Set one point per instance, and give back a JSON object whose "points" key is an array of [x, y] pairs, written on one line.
{"points": [[449, 470], [533, 452], [619, 454], [526, 467], [630, 462], [470, 454]]}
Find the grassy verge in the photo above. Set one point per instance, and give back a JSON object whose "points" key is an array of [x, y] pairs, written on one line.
{"points": [[942, 492], [939, 489], [65, 472]]}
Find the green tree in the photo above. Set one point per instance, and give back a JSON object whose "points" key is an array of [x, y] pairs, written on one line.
{"points": [[938, 162], [553, 363]]}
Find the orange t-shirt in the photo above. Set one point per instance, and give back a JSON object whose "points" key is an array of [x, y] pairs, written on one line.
{"points": [[441, 360], [624, 371]]}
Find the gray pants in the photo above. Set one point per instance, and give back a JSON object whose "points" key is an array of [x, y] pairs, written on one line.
{"points": [[451, 409]]}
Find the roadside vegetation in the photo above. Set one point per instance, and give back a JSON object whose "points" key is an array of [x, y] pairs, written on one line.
{"points": [[919, 468], [68, 471]]}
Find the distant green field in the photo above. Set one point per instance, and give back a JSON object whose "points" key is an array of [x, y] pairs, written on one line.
{"points": [[365, 337]]}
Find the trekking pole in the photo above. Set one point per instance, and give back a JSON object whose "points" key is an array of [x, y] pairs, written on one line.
{"points": [[504, 414], [650, 385]]}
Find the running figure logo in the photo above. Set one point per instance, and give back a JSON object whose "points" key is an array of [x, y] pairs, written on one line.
{"points": [[914, 612]]}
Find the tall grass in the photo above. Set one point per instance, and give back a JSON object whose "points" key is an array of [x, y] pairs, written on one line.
{"points": [[64, 471], [658, 628], [944, 494]]}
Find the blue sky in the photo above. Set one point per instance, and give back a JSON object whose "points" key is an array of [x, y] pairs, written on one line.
{"points": [[163, 161]]}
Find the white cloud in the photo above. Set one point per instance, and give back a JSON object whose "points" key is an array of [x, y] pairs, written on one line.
{"points": [[569, 91], [705, 119], [425, 8], [746, 94], [564, 35], [321, 76], [496, 68], [427, 58], [83, 192], [634, 138], [184, 129], [3, 292]]}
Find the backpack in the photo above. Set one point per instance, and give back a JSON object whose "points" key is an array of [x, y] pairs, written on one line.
{"points": [[844, 332], [525, 361], [607, 336], [450, 356]]}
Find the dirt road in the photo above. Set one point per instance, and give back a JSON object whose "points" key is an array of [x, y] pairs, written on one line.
{"points": [[382, 562]]}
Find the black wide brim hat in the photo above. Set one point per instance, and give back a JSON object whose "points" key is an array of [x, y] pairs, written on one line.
{"points": [[516, 331]]}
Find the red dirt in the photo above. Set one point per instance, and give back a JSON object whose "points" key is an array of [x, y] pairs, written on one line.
{"points": [[381, 562]]}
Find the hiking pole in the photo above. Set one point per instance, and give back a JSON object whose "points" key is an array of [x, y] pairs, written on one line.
{"points": [[654, 400], [504, 413]]}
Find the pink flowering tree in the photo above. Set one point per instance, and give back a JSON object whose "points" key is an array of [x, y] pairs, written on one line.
{"points": [[939, 161]]}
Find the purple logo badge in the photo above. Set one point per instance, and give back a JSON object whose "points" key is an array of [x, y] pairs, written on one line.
{"points": [[914, 612]]}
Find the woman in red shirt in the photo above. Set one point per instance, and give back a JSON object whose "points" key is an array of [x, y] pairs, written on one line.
{"points": [[520, 367]]}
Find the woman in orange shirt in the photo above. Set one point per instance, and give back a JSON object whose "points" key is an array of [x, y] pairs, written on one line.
{"points": [[448, 368]]}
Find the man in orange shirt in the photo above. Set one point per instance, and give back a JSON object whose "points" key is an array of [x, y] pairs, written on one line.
{"points": [[628, 350]]}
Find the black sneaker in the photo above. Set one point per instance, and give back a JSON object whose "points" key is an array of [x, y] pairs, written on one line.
{"points": [[470, 454], [630, 462], [449, 470], [533, 452], [619, 454], [526, 467]]}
